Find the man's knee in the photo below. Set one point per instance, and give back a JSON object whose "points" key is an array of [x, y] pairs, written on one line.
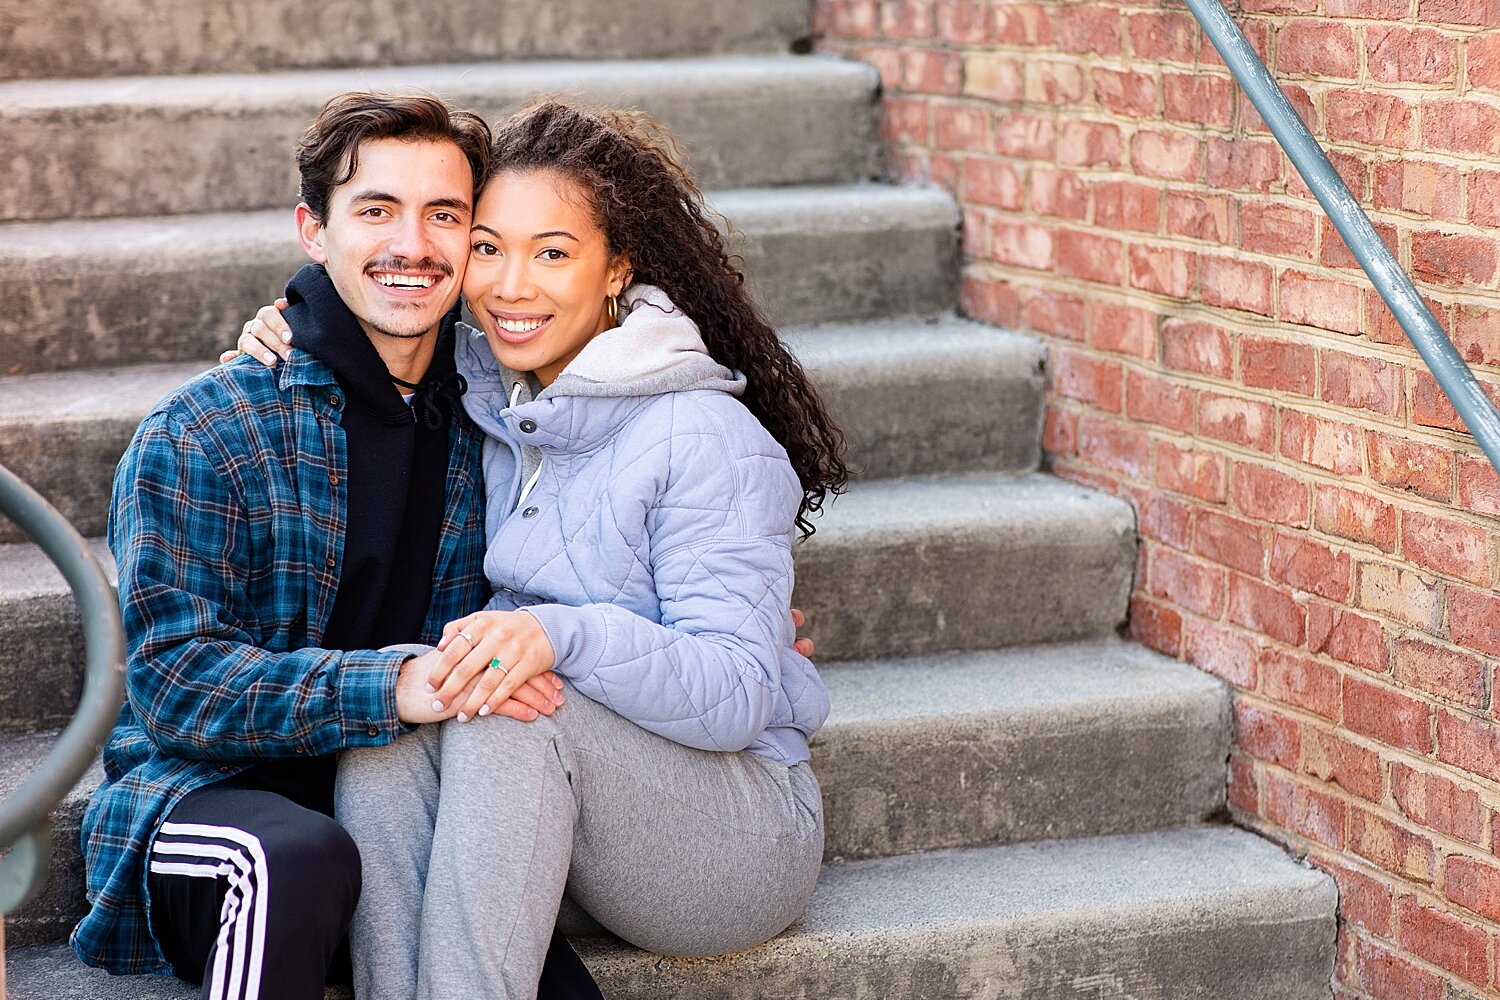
{"points": [[315, 869]]}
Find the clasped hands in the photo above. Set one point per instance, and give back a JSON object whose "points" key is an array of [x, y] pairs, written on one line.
{"points": [[456, 680]]}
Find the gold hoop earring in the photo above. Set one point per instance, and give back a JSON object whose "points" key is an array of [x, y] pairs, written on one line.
{"points": [[612, 309]]}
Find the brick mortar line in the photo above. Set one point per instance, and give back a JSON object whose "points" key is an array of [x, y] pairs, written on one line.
{"points": [[1410, 221], [1416, 892], [1391, 945], [1409, 224], [1318, 476], [1409, 757], [1339, 725], [1308, 849], [1310, 84], [1342, 546], [1172, 307], [1431, 834], [1399, 755], [1308, 405], [1413, 91], [1399, 631], [1312, 268], [1362, 552], [1239, 130], [1442, 438], [1413, 222], [1302, 336]]}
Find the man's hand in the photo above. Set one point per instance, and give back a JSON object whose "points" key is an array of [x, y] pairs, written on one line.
{"points": [[803, 646], [413, 702], [265, 338], [540, 695]]}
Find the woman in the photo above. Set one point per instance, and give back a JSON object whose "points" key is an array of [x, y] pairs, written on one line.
{"points": [[644, 480]]}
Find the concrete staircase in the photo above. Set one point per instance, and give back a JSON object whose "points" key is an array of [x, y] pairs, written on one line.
{"points": [[1019, 804]]}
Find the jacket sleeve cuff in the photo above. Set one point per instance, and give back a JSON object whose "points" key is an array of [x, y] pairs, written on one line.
{"points": [[577, 636], [367, 697]]}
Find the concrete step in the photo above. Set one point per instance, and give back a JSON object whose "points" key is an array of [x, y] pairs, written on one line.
{"points": [[919, 397], [64, 432], [50, 916], [1043, 742], [106, 292], [922, 754], [915, 396], [80, 148], [897, 568], [921, 566], [126, 37], [1174, 915]]}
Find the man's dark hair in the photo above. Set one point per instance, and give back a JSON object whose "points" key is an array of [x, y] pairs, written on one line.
{"points": [[328, 152]]}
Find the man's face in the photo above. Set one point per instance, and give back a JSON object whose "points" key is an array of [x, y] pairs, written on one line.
{"points": [[396, 236]]}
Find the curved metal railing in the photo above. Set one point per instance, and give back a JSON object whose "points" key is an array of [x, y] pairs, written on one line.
{"points": [[1427, 336], [24, 825]]}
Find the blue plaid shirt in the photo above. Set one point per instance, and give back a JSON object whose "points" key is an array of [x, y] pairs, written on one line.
{"points": [[227, 523]]}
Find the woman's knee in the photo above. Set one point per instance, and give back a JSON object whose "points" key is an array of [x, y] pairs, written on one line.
{"points": [[696, 911]]}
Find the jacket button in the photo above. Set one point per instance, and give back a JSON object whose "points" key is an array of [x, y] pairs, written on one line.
{"points": [[528, 426], [529, 512]]}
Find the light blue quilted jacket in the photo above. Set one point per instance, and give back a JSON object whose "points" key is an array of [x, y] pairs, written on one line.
{"points": [[645, 517]]}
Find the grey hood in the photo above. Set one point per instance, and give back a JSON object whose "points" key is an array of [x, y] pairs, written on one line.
{"points": [[655, 349]]}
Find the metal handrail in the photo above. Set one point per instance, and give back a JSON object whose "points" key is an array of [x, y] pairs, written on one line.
{"points": [[1427, 336], [24, 825]]}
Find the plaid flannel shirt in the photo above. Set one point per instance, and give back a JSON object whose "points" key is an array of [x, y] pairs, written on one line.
{"points": [[227, 523]]}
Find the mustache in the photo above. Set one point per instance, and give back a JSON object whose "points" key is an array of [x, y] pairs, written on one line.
{"points": [[402, 264]]}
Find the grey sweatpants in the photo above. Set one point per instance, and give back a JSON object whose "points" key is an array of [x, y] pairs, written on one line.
{"points": [[469, 833]]}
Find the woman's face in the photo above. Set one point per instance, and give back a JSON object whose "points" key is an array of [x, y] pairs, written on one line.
{"points": [[539, 271]]}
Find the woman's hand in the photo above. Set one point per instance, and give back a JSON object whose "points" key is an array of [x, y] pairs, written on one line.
{"points": [[803, 646], [486, 659], [265, 338]]}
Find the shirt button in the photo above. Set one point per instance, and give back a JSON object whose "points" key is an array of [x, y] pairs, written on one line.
{"points": [[333, 480], [224, 769], [301, 749], [373, 730], [528, 426], [334, 401], [332, 562], [529, 512]]}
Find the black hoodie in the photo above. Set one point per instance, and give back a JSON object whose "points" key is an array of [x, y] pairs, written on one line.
{"points": [[395, 473]]}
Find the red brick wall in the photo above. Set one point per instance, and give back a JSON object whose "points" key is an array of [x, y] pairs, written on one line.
{"points": [[1316, 527]]}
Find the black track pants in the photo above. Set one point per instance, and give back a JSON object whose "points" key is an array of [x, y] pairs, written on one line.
{"points": [[251, 894]]}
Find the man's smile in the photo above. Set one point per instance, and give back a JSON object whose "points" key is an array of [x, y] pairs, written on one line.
{"points": [[393, 280]]}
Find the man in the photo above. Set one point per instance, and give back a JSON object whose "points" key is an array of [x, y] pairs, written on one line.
{"points": [[274, 529]]}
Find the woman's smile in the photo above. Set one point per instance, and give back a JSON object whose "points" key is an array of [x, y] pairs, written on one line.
{"points": [[519, 329], [540, 271]]}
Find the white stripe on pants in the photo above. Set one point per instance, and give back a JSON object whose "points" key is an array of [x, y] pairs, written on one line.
{"points": [[194, 849]]}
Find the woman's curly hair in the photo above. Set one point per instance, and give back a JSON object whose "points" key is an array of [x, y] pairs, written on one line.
{"points": [[649, 207]]}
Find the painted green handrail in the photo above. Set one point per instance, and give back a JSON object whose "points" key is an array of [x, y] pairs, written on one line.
{"points": [[1427, 336], [24, 825]]}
